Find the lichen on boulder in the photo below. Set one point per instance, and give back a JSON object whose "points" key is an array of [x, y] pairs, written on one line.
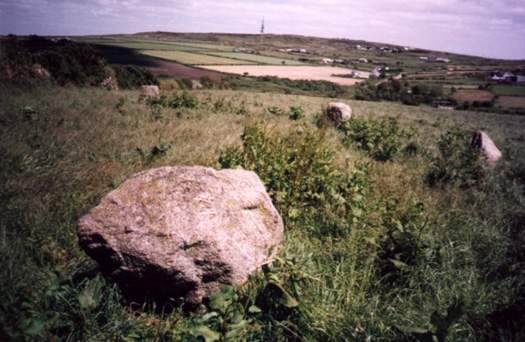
{"points": [[177, 232]]}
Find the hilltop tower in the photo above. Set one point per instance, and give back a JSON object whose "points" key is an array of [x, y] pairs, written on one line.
{"points": [[262, 27]]}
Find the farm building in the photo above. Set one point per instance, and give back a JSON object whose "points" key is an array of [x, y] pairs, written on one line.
{"points": [[506, 77], [355, 74]]}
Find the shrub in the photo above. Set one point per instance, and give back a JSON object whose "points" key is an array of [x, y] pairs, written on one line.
{"points": [[297, 170], [75, 63], [175, 101], [15, 60], [296, 113], [321, 87], [457, 162], [131, 77], [185, 83], [380, 139]]}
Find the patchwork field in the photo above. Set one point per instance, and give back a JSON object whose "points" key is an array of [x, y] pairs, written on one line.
{"points": [[511, 102], [473, 95], [153, 46], [190, 58], [259, 59], [292, 72]]}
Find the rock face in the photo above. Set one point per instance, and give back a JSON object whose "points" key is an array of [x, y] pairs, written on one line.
{"points": [[178, 232], [150, 90], [490, 152], [338, 112]]}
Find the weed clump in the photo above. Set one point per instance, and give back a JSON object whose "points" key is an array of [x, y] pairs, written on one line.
{"points": [[457, 162], [380, 139]]}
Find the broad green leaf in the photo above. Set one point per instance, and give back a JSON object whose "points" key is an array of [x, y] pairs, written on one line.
{"points": [[399, 264], [206, 333], [254, 309], [91, 296], [32, 326]]}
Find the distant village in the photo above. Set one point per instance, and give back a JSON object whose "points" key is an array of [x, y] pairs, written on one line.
{"points": [[378, 71]]}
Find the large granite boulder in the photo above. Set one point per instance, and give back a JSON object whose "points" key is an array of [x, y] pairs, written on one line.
{"points": [[178, 232], [338, 112], [491, 154]]}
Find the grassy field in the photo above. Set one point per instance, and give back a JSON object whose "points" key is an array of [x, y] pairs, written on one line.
{"points": [[378, 255], [505, 90], [190, 58], [153, 46], [259, 59]]}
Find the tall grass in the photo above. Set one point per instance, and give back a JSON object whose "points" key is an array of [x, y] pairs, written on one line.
{"points": [[371, 251]]}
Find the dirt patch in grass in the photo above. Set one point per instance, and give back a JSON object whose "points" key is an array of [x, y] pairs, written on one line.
{"points": [[311, 73]]}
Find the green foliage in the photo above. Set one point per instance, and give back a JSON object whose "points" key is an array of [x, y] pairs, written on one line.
{"points": [[441, 324], [370, 252], [15, 60], [294, 114], [382, 139], [175, 101], [275, 111], [67, 62], [297, 170], [321, 87], [131, 77], [228, 318], [75, 63], [397, 90], [457, 162], [185, 83]]}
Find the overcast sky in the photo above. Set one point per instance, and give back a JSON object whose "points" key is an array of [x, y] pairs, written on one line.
{"points": [[488, 28]]}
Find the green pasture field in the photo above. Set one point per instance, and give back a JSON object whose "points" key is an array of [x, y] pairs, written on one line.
{"points": [[259, 59], [207, 46], [204, 46], [509, 90], [153, 46], [194, 58]]}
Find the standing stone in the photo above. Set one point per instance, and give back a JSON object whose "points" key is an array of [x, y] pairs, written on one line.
{"points": [[488, 149], [338, 112], [179, 232], [150, 90], [109, 83]]}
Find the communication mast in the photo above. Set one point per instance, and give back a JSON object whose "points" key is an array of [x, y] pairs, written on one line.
{"points": [[262, 26]]}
